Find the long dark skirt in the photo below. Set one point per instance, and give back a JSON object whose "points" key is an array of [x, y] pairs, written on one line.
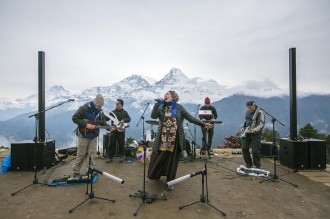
{"points": [[164, 163]]}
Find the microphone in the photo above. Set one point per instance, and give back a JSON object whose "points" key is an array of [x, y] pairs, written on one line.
{"points": [[182, 178], [159, 99], [108, 175], [71, 100]]}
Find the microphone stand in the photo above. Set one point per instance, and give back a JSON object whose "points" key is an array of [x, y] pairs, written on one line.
{"points": [[142, 119], [193, 143], [36, 137], [143, 195], [91, 192], [274, 176], [204, 198]]}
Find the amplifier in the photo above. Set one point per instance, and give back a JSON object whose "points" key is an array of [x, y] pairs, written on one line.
{"points": [[27, 155], [294, 154], [266, 149], [109, 149], [317, 154]]}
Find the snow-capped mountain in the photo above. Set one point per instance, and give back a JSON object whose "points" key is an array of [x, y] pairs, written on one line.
{"points": [[137, 90]]}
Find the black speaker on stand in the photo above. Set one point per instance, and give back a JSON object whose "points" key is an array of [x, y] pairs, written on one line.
{"points": [[294, 154], [22, 155], [109, 149], [317, 154], [266, 149]]}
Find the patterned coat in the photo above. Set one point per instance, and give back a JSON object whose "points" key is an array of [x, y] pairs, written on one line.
{"points": [[158, 112]]}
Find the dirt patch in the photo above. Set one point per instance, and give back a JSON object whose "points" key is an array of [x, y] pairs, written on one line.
{"points": [[237, 196]]}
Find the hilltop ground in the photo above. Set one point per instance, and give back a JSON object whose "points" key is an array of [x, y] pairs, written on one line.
{"points": [[238, 196]]}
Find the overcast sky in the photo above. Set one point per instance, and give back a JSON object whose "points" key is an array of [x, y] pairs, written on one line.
{"points": [[97, 43]]}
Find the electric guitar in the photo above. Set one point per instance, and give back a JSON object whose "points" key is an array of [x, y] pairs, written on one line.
{"points": [[84, 130], [120, 126], [243, 135]]}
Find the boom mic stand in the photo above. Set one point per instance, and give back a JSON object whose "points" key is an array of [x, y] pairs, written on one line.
{"points": [[274, 175], [204, 197], [36, 137], [143, 195], [35, 180], [90, 180]]}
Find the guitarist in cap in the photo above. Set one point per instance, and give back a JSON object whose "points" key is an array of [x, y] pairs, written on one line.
{"points": [[117, 134], [251, 134], [88, 117]]}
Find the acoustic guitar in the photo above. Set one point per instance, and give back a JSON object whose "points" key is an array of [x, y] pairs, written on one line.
{"points": [[84, 130]]}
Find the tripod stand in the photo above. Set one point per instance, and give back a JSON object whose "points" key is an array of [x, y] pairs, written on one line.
{"points": [[90, 192], [204, 197], [143, 194], [35, 180], [274, 175]]}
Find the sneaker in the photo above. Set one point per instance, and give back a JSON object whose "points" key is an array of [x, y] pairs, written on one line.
{"points": [[109, 160], [170, 188]]}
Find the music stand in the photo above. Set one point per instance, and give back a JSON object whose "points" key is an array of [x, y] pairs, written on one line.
{"points": [[36, 137], [274, 176], [204, 198], [91, 192]]}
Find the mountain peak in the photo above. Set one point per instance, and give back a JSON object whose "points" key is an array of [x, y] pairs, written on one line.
{"points": [[175, 76], [135, 81], [56, 88]]}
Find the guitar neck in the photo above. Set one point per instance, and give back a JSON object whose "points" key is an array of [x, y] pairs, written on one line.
{"points": [[210, 121], [102, 127]]}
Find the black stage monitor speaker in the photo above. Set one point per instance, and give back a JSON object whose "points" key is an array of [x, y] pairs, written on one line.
{"points": [[266, 149], [294, 154], [26, 155], [317, 154], [109, 149]]}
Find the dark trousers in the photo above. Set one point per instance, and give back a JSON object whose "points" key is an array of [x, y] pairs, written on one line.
{"points": [[119, 137], [255, 142], [207, 138]]}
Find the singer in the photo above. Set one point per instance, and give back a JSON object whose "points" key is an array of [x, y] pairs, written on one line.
{"points": [[87, 118], [169, 141]]}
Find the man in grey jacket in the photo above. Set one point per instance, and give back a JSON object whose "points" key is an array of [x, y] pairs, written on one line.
{"points": [[251, 134]]}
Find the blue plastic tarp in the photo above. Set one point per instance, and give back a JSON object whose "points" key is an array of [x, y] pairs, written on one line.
{"points": [[6, 164]]}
